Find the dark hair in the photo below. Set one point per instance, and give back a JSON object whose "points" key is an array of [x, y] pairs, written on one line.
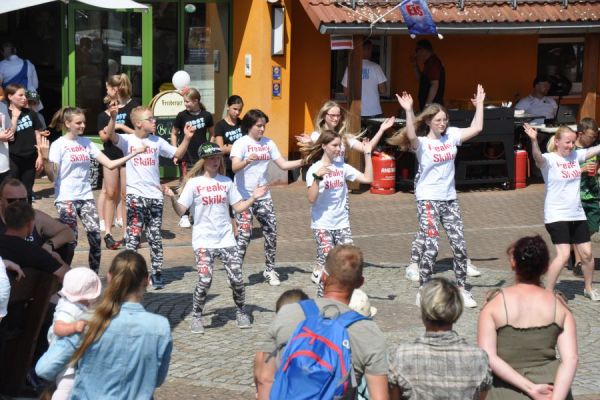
{"points": [[315, 150], [12, 88], [18, 214], [587, 124], [289, 297], [540, 78], [251, 118], [424, 44], [234, 99], [12, 182], [531, 257]]}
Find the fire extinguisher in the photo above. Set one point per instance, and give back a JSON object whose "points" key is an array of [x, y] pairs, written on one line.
{"points": [[521, 161]]}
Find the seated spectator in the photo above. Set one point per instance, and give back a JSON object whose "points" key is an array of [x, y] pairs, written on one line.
{"points": [[289, 297], [343, 274], [522, 328], [440, 364], [19, 220], [48, 233], [538, 103], [121, 334]]}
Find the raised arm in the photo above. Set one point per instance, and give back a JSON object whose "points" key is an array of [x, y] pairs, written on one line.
{"points": [[592, 151], [112, 164], [477, 123], [385, 125], [188, 133], [289, 164], [243, 205], [406, 102], [567, 348], [50, 168], [108, 133], [535, 147]]}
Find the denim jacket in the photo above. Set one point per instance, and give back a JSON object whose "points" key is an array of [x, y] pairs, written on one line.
{"points": [[129, 360]]}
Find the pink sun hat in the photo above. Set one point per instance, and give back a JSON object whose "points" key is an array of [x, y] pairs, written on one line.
{"points": [[81, 283]]}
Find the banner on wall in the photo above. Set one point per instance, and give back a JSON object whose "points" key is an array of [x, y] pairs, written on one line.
{"points": [[417, 18], [341, 42]]}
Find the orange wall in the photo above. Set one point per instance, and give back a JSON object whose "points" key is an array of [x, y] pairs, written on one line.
{"points": [[252, 35]]}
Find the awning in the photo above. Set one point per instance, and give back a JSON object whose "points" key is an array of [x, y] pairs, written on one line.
{"points": [[458, 17], [12, 5]]}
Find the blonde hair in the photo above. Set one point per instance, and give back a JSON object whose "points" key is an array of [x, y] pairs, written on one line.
{"points": [[194, 95], [441, 302], [313, 151], [128, 272], [198, 169], [123, 85], [342, 126], [400, 138], [135, 113], [563, 129], [63, 115]]}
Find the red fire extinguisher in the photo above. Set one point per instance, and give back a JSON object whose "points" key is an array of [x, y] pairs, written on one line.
{"points": [[384, 173], [521, 161]]}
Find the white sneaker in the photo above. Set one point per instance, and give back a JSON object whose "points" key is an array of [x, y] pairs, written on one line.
{"points": [[119, 222], [316, 276], [272, 277], [418, 301], [468, 299], [184, 222], [412, 272], [102, 226], [594, 295], [471, 270]]}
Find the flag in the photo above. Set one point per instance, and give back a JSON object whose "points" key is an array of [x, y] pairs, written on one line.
{"points": [[418, 18], [341, 42]]}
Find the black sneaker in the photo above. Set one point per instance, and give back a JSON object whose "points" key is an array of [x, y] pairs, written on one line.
{"points": [[577, 271], [157, 281], [111, 243]]}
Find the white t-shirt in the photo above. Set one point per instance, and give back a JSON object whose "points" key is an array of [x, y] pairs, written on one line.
{"points": [[436, 166], [67, 311], [4, 289], [545, 106], [329, 210], [562, 175], [254, 174], [5, 123], [142, 171], [72, 160], [351, 142], [209, 199], [372, 76]]}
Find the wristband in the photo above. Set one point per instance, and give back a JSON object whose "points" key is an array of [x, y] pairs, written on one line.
{"points": [[368, 153], [317, 177]]}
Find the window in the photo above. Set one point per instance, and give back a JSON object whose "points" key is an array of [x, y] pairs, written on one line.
{"points": [[561, 60], [381, 54]]}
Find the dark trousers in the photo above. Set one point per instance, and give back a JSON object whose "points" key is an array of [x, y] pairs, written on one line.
{"points": [[23, 169]]}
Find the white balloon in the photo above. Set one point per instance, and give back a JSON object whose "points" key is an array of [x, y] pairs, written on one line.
{"points": [[181, 79]]}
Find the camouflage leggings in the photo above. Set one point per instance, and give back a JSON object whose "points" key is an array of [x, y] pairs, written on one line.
{"points": [[205, 262], [265, 214], [326, 240], [430, 214], [143, 212], [86, 210]]}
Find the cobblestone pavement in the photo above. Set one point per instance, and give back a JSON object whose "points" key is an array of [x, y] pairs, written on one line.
{"points": [[218, 364]]}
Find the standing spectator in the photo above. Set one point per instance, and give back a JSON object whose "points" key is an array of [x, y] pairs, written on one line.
{"points": [[373, 84], [24, 157], [17, 70], [33, 103], [344, 268], [538, 102], [6, 136], [250, 159], [432, 78], [144, 198], [522, 329], [201, 121], [229, 129], [125, 350], [440, 364]]}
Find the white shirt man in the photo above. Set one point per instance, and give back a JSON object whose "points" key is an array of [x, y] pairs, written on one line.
{"points": [[537, 103]]}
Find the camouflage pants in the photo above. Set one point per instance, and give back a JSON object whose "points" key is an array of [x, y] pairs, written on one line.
{"points": [[145, 213], [326, 240], [430, 214], [68, 211], [265, 214], [205, 262], [417, 247]]}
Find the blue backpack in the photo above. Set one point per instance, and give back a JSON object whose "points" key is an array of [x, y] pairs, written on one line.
{"points": [[316, 363]]}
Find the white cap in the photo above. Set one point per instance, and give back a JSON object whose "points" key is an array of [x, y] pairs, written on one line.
{"points": [[81, 283], [360, 303]]}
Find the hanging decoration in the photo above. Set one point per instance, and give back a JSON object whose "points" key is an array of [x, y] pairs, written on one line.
{"points": [[418, 19]]}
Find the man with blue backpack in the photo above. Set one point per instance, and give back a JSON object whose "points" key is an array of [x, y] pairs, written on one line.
{"points": [[321, 349]]}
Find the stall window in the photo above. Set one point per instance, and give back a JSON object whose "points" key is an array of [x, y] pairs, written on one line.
{"points": [[561, 60], [339, 61]]}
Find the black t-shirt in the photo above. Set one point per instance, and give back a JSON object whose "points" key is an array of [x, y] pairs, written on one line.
{"points": [[27, 255], [24, 143], [123, 117], [230, 133], [433, 70], [201, 121]]}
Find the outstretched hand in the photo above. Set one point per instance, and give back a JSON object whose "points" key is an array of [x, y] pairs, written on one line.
{"points": [[479, 96], [387, 123], [44, 147], [304, 139], [260, 191], [189, 130], [530, 131], [113, 109], [405, 100], [141, 149], [167, 191]]}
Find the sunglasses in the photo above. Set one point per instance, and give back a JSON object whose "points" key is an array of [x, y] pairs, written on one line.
{"points": [[12, 200]]}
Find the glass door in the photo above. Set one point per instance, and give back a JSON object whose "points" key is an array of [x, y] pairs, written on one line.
{"points": [[102, 42]]}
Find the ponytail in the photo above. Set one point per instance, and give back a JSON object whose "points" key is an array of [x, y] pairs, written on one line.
{"points": [[123, 85], [194, 95], [63, 115]]}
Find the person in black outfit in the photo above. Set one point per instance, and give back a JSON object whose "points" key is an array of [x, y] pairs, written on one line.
{"points": [[432, 78], [229, 129]]}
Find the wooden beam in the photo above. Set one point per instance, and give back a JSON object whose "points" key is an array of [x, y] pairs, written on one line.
{"points": [[354, 95], [590, 82]]}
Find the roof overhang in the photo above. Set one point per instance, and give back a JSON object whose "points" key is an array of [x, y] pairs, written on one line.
{"points": [[13, 5]]}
